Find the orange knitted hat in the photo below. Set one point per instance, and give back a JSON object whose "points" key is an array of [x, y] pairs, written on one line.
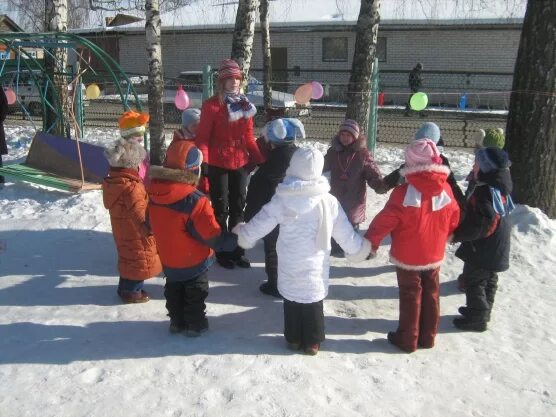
{"points": [[133, 124]]}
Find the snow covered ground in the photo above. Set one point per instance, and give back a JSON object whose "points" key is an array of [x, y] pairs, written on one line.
{"points": [[69, 348]]}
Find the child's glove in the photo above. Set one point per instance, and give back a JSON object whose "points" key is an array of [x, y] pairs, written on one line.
{"points": [[227, 242], [241, 241], [204, 169]]}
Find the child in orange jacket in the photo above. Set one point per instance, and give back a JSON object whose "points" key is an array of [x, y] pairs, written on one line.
{"points": [[186, 233], [126, 199]]}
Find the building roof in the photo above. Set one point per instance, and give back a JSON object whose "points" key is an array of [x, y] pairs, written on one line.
{"points": [[5, 19]]}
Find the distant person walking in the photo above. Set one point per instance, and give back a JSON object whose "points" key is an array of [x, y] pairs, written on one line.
{"points": [[415, 84]]}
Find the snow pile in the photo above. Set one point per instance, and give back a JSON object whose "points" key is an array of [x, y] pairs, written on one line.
{"points": [[68, 347]]}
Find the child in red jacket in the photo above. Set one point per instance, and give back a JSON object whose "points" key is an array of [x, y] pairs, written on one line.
{"points": [[186, 232], [420, 215]]}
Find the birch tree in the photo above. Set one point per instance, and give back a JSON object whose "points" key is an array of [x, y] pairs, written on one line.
{"points": [[55, 62], [267, 58], [244, 33], [359, 87]]}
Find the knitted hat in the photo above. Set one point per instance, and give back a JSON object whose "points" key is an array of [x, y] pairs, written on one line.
{"points": [[133, 124], [125, 154], [229, 69], [422, 152], [494, 138], [428, 130], [190, 116], [284, 130], [490, 138], [491, 159], [183, 155], [306, 164], [350, 126]]}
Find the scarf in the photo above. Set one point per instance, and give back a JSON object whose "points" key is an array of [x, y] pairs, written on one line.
{"points": [[239, 106], [500, 207]]}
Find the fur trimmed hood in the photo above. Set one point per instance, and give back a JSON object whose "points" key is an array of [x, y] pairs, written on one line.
{"points": [[174, 175], [427, 179], [125, 154]]}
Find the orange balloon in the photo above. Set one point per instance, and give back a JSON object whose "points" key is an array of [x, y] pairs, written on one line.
{"points": [[303, 94]]}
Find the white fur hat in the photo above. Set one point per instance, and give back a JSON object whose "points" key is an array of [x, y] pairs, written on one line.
{"points": [[125, 154]]}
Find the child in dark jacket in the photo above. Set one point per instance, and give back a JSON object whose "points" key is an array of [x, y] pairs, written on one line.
{"points": [[186, 232], [352, 168], [281, 135], [430, 131], [485, 236]]}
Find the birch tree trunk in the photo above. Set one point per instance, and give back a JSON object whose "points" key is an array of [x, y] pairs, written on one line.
{"points": [[56, 20], [531, 128], [359, 88], [267, 62], [244, 32], [156, 81]]}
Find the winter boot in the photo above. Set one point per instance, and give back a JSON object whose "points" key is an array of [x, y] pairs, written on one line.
{"points": [[312, 349], [176, 327], [195, 329], [470, 324], [461, 283], [294, 346], [223, 259], [394, 339], [465, 312], [134, 297], [269, 289]]}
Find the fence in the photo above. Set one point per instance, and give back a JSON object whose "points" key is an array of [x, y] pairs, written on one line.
{"points": [[487, 93]]}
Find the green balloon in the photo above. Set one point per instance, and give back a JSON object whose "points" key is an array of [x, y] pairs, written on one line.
{"points": [[418, 101]]}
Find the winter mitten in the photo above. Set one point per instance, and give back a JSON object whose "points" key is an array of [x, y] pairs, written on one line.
{"points": [[361, 254], [393, 179], [204, 169], [241, 240]]}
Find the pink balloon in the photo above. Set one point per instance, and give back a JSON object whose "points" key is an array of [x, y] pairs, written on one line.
{"points": [[318, 91], [303, 94], [10, 95], [182, 99]]}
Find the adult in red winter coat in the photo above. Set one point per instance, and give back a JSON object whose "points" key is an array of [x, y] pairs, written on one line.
{"points": [[226, 139], [420, 215], [352, 168]]}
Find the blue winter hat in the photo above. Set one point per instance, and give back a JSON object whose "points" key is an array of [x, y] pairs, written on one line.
{"points": [[491, 159], [190, 116], [428, 130], [284, 130]]}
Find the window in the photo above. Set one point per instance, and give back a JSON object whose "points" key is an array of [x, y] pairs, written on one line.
{"points": [[334, 49], [381, 49]]}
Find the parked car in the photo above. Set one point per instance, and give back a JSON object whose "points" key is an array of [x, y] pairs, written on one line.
{"points": [[283, 103], [25, 86]]}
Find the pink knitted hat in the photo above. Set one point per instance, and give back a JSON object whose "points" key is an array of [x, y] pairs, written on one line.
{"points": [[229, 69], [350, 126], [422, 152]]}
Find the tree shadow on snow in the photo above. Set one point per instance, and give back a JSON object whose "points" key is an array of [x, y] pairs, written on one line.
{"points": [[54, 258]]}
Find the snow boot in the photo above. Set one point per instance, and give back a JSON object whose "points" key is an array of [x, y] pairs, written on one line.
{"points": [[465, 312], [269, 289], [134, 297], [394, 339], [176, 328], [312, 349], [195, 329], [470, 324]]}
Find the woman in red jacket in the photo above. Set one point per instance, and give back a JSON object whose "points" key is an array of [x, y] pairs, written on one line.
{"points": [[226, 139], [419, 216]]}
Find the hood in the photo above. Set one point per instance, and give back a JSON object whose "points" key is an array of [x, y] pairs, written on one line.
{"points": [[166, 192], [119, 180], [499, 178], [427, 179], [300, 196], [306, 164], [357, 145], [174, 175]]}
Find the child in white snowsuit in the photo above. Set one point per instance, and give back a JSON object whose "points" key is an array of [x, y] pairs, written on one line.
{"points": [[308, 217]]}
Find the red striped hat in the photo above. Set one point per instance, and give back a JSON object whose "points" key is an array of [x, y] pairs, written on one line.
{"points": [[350, 126], [229, 69]]}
